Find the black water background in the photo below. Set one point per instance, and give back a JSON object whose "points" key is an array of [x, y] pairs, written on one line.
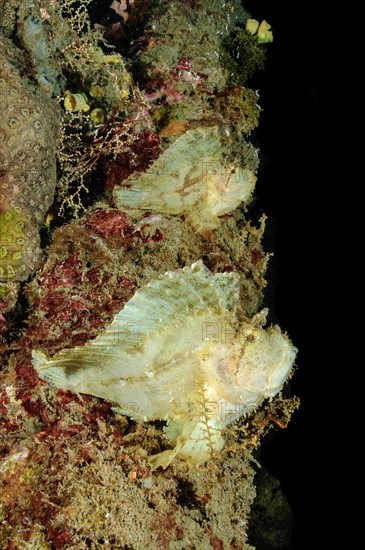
{"points": [[291, 188]]}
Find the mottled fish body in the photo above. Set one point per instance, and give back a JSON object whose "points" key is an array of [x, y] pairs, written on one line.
{"points": [[177, 352], [191, 178]]}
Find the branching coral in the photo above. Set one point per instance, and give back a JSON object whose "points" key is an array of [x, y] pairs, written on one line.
{"points": [[85, 146]]}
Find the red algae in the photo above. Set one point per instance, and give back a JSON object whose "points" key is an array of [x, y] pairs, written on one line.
{"points": [[110, 224], [73, 294], [138, 158]]}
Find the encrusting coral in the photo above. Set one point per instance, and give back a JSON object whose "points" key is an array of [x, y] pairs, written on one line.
{"points": [[28, 138], [131, 208]]}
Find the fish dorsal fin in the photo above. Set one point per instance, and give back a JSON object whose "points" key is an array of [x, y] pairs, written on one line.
{"points": [[171, 298], [165, 305]]}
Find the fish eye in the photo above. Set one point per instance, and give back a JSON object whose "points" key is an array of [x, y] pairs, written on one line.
{"points": [[250, 337]]}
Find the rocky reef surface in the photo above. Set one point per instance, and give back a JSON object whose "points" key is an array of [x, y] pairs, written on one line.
{"points": [[126, 153]]}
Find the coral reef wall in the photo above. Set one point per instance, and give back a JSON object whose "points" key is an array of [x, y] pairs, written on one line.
{"points": [[125, 153]]}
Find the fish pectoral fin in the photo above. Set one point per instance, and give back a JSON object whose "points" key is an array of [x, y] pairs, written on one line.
{"points": [[132, 412], [163, 459], [193, 445]]}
